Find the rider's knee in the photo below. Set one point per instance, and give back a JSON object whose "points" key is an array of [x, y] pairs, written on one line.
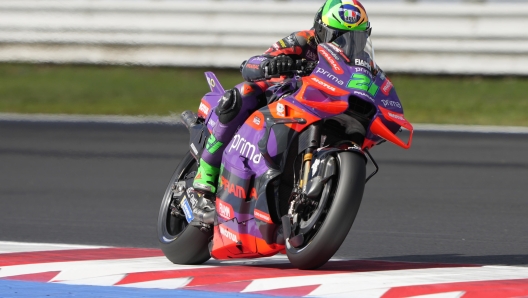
{"points": [[229, 106]]}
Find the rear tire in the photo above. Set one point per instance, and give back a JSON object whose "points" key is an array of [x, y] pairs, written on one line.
{"points": [[181, 243], [341, 213]]}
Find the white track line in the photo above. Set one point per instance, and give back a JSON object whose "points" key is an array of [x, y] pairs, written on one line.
{"points": [[375, 284], [13, 247], [175, 119], [77, 270]]}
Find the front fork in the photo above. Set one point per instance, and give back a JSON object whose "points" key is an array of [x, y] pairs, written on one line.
{"points": [[309, 142]]}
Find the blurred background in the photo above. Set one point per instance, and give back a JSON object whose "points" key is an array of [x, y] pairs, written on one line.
{"points": [[452, 61], [453, 197]]}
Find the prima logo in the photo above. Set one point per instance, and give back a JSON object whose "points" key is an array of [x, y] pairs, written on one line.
{"points": [[245, 148], [390, 103], [329, 75], [361, 69]]}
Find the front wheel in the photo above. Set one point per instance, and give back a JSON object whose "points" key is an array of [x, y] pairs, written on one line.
{"points": [[180, 242], [330, 223]]}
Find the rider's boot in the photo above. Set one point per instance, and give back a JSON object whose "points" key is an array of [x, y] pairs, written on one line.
{"points": [[206, 178]]}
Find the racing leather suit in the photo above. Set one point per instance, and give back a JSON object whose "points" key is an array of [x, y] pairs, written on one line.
{"points": [[251, 94]]}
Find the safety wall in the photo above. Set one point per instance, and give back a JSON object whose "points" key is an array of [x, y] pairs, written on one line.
{"points": [[452, 38]]}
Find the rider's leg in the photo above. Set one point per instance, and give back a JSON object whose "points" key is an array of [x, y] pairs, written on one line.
{"points": [[233, 109]]}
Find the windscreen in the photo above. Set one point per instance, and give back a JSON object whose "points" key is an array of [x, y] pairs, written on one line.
{"points": [[357, 45]]}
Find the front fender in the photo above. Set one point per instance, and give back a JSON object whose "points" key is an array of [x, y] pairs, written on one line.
{"points": [[324, 166]]}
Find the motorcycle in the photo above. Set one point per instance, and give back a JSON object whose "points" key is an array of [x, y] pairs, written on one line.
{"points": [[292, 177]]}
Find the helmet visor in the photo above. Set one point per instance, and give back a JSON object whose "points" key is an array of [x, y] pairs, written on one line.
{"points": [[326, 34]]}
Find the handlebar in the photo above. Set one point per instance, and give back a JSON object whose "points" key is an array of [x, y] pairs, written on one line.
{"points": [[301, 68]]}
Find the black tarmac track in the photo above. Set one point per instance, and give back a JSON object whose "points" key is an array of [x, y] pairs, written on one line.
{"points": [[452, 197]]}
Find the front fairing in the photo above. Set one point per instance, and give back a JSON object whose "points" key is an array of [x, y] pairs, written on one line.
{"points": [[345, 75]]}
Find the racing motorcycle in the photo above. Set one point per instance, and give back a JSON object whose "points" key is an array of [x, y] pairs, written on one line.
{"points": [[292, 177]]}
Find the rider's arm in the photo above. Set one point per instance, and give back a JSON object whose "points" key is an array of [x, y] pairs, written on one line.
{"points": [[297, 45]]}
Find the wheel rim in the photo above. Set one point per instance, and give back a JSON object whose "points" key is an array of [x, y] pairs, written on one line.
{"points": [[315, 220], [171, 227]]}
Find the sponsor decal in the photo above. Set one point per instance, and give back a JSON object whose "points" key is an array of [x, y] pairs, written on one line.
{"points": [[350, 15], [228, 234], [363, 70], [364, 94], [290, 40], [224, 210], [203, 109], [194, 149], [236, 190], [192, 198], [329, 75], [189, 216], [338, 50], [245, 148], [253, 66], [259, 58], [323, 83], [282, 43], [281, 110], [211, 82], [257, 120], [355, 148], [262, 216], [334, 47], [331, 52], [391, 103], [363, 63], [328, 57], [311, 55], [386, 87], [396, 116]]}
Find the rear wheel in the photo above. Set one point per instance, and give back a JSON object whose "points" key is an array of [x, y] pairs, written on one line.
{"points": [[326, 226], [181, 243]]}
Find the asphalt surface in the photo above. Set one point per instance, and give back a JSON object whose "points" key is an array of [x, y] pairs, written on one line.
{"points": [[452, 197]]}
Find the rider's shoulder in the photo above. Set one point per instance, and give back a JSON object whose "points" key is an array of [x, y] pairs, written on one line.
{"points": [[304, 37]]}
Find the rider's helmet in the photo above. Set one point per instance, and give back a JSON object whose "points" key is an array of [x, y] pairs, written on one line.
{"points": [[336, 17]]}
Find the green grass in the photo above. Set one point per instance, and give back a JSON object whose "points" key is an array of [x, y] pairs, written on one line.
{"points": [[122, 90]]}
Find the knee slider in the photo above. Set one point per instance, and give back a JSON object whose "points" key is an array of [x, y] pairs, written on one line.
{"points": [[229, 106]]}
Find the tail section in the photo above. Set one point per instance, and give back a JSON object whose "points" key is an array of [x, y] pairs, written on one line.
{"points": [[214, 83]]}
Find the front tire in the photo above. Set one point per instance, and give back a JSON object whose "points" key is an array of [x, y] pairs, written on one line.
{"points": [[181, 243], [341, 210]]}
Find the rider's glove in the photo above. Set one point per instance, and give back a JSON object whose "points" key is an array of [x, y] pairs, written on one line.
{"points": [[279, 65]]}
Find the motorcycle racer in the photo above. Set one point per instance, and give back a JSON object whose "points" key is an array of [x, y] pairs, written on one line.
{"points": [[334, 18]]}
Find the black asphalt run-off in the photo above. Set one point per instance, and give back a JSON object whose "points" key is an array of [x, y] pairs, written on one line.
{"points": [[452, 197]]}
